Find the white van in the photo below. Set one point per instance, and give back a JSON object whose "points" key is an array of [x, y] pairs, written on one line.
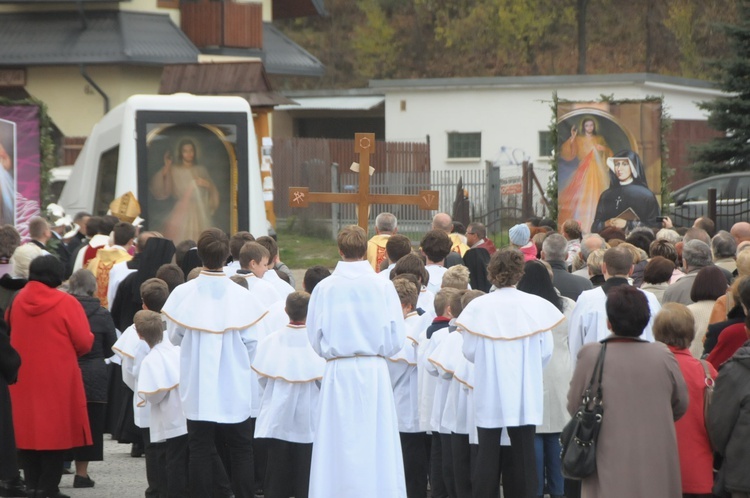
{"points": [[191, 161]]}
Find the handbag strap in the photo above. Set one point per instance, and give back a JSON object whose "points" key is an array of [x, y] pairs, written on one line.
{"points": [[598, 371], [709, 380]]}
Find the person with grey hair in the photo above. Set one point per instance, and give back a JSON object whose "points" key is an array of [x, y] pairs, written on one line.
{"points": [[696, 254], [695, 233], [591, 242], [594, 267], [724, 248], [476, 238], [554, 252], [82, 286], [386, 225], [668, 234]]}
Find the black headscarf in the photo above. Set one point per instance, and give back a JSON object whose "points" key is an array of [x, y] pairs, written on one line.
{"points": [[158, 251], [190, 261]]}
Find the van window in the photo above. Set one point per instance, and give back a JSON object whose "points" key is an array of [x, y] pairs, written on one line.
{"points": [[700, 192], [105, 180]]}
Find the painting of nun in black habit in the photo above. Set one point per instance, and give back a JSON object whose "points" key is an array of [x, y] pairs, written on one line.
{"points": [[628, 188]]}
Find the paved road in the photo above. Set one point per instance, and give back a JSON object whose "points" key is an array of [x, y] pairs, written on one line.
{"points": [[118, 476]]}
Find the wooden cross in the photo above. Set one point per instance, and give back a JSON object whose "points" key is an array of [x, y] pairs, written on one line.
{"points": [[364, 145]]}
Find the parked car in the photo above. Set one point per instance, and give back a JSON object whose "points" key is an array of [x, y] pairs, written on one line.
{"points": [[732, 200]]}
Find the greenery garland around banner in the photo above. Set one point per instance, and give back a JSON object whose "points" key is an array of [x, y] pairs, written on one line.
{"points": [[47, 153], [666, 171]]}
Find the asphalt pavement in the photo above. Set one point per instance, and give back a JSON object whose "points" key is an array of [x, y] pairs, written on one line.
{"points": [[118, 476]]}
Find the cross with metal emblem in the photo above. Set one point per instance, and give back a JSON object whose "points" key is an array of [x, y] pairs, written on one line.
{"points": [[364, 145]]}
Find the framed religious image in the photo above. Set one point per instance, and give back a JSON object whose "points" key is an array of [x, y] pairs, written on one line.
{"points": [[189, 172], [609, 164], [8, 151]]}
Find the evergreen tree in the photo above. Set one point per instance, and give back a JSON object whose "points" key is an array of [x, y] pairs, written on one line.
{"points": [[730, 114]]}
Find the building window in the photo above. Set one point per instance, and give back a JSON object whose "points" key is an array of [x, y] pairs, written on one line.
{"points": [[546, 147], [463, 145]]}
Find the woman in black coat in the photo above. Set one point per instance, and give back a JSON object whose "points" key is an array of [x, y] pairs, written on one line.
{"points": [[82, 285], [10, 480]]}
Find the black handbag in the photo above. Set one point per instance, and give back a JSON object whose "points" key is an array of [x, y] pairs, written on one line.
{"points": [[578, 437]]}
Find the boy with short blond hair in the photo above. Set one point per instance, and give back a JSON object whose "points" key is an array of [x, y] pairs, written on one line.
{"points": [[428, 385], [458, 410], [158, 383], [132, 350], [457, 277]]}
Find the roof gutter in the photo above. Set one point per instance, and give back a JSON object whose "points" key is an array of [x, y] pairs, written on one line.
{"points": [[82, 15], [96, 87]]}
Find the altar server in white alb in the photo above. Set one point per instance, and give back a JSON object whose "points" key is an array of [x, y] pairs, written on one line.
{"points": [[253, 266], [217, 326], [429, 397], [132, 350], [158, 384], [282, 287], [507, 335], [588, 322], [403, 369], [436, 246], [458, 411], [355, 322], [290, 373]]}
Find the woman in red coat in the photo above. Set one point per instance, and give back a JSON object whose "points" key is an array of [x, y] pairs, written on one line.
{"points": [[49, 330], [675, 327]]}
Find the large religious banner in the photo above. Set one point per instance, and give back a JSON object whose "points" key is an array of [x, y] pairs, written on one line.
{"points": [[609, 163], [19, 165]]}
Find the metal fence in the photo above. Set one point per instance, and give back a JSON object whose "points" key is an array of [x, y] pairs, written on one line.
{"points": [[322, 165]]}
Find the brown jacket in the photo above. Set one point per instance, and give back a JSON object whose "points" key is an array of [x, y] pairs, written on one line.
{"points": [[644, 393]]}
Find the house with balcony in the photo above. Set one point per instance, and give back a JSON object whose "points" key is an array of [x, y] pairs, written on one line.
{"points": [[83, 57]]}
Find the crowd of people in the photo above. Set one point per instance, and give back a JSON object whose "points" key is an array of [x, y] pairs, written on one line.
{"points": [[440, 367]]}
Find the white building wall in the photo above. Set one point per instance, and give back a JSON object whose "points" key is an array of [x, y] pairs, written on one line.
{"points": [[506, 116]]}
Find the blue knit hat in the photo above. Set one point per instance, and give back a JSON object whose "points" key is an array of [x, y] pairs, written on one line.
{"points": [[519, 234]]}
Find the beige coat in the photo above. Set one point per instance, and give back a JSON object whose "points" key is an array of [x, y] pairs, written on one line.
{"points": [[557, 375], [644, 393]]}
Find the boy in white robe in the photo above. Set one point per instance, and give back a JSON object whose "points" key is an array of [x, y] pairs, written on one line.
{"points": [[282, 287], [236, 242], [411, 264], [436, 245], [396, 248], [404, 379], [158, 383], [431, 393], [507, 335], [277, 317], [435, 367], [458, 411], [253, 266], [290, 372], [355, 322], [217, 326], [588, 323], [132, 350]]}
